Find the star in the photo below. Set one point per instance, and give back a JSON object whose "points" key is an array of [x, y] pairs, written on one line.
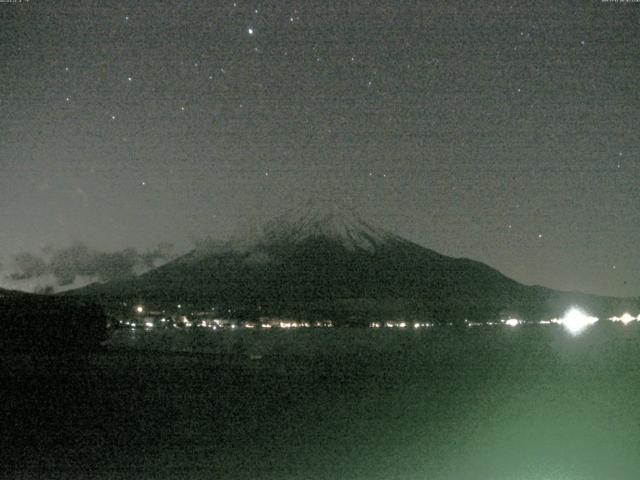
{"points": [[129, 78], [250, 31]]}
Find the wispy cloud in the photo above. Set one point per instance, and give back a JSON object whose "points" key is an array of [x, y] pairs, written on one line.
{"points": [[62, 268]]}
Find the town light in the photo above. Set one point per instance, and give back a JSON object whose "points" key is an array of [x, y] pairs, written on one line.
{"points": [[626, 318], [575, 320]]}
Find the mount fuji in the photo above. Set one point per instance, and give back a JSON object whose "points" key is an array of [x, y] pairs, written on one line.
{"points": [[321, 260]]}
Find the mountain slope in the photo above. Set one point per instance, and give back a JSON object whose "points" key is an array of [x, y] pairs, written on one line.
{"points": [[320, 260]]}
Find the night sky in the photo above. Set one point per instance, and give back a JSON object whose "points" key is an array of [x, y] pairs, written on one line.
{"points": [[502, 131]]}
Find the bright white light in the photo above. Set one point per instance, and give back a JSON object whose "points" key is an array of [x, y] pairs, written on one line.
{"points": [[512, 322], [139, 309], [149, 324], [626, 318], [250, 31], [576, 320]]}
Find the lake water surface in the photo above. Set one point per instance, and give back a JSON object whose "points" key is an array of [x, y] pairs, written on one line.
{"points": [[487, 403]]}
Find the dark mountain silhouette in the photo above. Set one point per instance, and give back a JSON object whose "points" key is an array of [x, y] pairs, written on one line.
{"points": [[322, 260], [8, 294], [47, 324]]}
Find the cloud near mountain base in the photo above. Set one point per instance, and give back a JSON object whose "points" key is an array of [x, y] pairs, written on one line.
{"points": [[56, 269]]}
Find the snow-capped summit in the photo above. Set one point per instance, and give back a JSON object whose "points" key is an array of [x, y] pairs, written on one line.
{"points": [[320, 260], [324, 219]]}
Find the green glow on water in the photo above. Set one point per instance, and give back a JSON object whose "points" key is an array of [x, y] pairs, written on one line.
{"points": [[443, 404]]}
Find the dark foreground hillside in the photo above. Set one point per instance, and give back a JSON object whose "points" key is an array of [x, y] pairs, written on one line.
{"points": [[532, 403], [49, 325]]}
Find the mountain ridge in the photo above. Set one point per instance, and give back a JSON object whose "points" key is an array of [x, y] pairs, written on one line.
{"points": [[325, 261]]}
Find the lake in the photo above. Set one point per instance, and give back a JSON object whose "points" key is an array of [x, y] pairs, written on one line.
{"points": [[486, 403]]}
